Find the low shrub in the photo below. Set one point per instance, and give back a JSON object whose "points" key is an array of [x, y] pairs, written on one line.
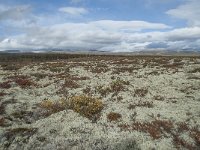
{"points": [[24, 83], [39, 76], [5, 85], [196, 70], [86, 106], [118, 85], [10, 67], [22, 132], [142, 92], [2, 94], [112, 116], [2, 121], [22, 80], [71, 84], [87, 90], [141, 104], [103, 91], [155, 128], [51, 107]]}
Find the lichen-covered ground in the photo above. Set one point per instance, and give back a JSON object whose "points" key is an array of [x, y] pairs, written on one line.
{"points": [[101, 103]]}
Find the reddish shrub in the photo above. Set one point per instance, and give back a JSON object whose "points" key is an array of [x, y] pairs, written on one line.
{"points": [[24, 83], [5, 85]]}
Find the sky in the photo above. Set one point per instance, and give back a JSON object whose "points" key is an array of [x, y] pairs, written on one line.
{"points": [[102, 25]]}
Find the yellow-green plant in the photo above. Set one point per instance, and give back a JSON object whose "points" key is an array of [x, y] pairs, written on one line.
{"points": [[53, 106], [86, 106]]}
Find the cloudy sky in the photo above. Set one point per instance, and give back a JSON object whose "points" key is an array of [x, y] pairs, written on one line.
{"points": [[104, 25]]}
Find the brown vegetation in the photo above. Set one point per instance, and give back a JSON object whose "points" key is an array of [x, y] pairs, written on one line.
{"points": [[179, 143], [70, 84], [39, 76], [124, 69], [118, 85], [51, 107], [140, 92], [115, 87], [196, 70], [22, 81], [87, 90], [112, 116], [10, 66], [24, 133], [2, 94], [2, 120], [5, 85], [141, 104], [97, 69], [158, 128], [103, 91], [155, 128]]}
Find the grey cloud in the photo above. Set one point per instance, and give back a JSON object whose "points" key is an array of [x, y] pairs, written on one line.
{"points": [[155, 45], [14, 13]]}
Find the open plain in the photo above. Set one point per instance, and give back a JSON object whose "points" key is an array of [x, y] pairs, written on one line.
{"points": [[100, 102]]}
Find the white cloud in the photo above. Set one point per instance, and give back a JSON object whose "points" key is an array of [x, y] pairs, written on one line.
{"points": [[190, 11], [192, 33], [127, 25], [91, 35], [75, 11], [41, 32]]}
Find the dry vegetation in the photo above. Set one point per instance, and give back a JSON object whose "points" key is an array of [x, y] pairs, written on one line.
{"points": [[50, 107], [158, 128], [5, 85], [112, 116], [140, 92], [99, 102], [141, 104], [86, 106]]}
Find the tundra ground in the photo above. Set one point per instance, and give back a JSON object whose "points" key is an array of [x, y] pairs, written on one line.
{"points": [[101, 102]]}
